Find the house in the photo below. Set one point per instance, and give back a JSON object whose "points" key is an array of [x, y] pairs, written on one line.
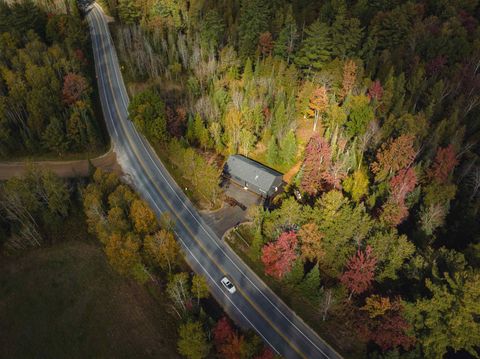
{"points": [[253, 176]]}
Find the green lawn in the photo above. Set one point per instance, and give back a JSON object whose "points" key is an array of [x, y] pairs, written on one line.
{"points": [[66, 302]]}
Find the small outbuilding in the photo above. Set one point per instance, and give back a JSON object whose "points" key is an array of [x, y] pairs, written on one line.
{"points": [[253, 176]]}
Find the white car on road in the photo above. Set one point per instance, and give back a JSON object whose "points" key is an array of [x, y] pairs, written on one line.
{"points": [[228, 285]]}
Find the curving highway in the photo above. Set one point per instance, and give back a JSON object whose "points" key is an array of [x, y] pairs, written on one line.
{"points": [[254, 305]]}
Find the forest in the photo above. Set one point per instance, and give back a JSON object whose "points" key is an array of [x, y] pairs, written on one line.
{"points": [[46, 95], [370, 108]]}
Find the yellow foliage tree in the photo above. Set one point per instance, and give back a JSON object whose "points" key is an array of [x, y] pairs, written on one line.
{"points": [[123, 252], [311, 242], [318, 105], [162, 249], [143, 218], [376, 305]]}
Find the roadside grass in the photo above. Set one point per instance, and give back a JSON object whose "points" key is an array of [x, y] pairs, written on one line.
{"points": [[336, 334], [64, 301]]}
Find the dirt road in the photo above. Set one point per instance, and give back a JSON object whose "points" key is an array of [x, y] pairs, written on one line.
{"points": [[78, 168]]}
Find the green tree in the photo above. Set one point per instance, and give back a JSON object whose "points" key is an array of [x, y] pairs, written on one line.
{"points": [[147, 112], [346, 36], [288, 148], [192, 341], [272, 151], [201, 133], [212, 29], [285, 44], [391, 251], [129, 12], [448, 319], [343, 225], [357, 185], [310, 285], [315, 49], [361, 114], [54, 138], [254, 18], [199, 287]]}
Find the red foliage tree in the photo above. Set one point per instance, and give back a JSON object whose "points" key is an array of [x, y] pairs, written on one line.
{"points": [[176, 120], [360, 271], [267, 353], [388, 331], [223, 331], [445, 162], [402, 184], [375, 92], [279, 256], [316, 166], [393, 156], [265, 43], [74, 88], [229, 344]]}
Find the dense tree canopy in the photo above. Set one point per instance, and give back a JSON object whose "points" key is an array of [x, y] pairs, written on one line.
{"points": [[370, 108], [45, 86]]}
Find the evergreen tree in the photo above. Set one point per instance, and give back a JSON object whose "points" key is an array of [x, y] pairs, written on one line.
{"points": [[288, 148], [315, 49], [54, 138], [346, 36], [254, 19], [272, 151], [286, 42], [212, 30], [310, 285]]}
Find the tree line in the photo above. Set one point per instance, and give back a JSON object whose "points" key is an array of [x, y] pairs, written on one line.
{"points": [[45, 86]]}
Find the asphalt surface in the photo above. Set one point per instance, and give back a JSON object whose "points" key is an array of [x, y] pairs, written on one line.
{"points": [[254, 305]]}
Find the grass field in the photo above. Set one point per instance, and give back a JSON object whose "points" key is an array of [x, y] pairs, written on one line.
{"points": [[66, 302]]}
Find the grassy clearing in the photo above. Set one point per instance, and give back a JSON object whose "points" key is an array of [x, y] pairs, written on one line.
{"points": [[65, 301], [332, 331]]}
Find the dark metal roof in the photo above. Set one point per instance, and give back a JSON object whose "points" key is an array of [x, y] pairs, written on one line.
{"points": [[253, 172]]}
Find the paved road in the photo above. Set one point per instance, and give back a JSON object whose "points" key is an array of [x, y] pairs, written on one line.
{"points": [[254, 304]]}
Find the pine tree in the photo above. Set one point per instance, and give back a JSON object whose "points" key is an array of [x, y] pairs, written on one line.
{"points": [[310, 286], [346, 36], [315, 49], [285, 44], [254, 19], [272, 151], [288, 148], [54, 138]]}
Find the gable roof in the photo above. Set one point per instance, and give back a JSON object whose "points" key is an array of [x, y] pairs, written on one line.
{"points": [[253, 172]]}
